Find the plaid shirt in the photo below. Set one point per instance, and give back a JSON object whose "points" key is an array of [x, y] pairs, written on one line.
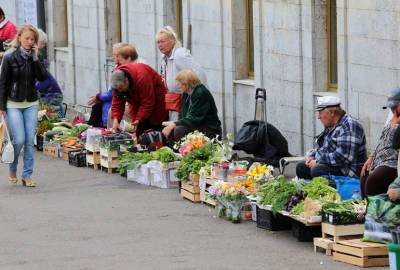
{"points": [[342, 146]]}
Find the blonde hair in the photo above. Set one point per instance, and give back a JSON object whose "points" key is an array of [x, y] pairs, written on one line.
{"points": [[42, 36], [188, 77], [170, 33], [119, 45], [16, 43]]}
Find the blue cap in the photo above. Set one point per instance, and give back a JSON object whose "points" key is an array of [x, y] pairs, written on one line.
{"points": [[393, 99]]}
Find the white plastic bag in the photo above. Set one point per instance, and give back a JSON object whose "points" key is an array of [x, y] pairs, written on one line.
{"points": [[7, 149]]}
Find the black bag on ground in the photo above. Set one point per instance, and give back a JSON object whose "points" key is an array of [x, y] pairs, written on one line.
{"points": [[260, 138], [265, 142], [250, 136]]}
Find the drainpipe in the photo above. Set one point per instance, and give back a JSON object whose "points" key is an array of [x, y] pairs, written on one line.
{"points": [[156, 52], [126, 20], [73, 50], [346, 57], [260, 18], [98, 43], [221, 6], [301, 77], [189, 31]]}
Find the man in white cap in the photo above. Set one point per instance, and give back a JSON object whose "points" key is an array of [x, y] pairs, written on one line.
{"points": [[340, 149]]}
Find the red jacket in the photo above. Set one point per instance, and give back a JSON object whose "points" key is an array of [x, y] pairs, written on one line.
{"points": [[8, 31], [146, 96]]}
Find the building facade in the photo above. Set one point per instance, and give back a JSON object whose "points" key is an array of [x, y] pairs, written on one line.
{"points": [[295, 49]]}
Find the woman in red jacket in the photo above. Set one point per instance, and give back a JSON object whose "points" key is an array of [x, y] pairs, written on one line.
{"points": [[8, 30]]}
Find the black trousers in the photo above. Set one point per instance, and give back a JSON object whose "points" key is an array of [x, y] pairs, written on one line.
{"points": [[302, 171], [95, 119]]}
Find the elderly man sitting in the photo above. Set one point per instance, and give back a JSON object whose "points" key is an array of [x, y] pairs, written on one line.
{"points": [[340, 148]]}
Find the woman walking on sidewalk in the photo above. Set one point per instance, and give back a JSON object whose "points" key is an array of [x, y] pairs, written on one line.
{"points": [[19, 99]]}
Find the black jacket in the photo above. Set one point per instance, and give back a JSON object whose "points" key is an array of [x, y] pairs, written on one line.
{"points": [[17, 78]]}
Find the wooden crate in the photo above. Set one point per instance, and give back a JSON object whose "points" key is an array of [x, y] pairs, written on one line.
{"points": [[334, 233], [92, 147], [204, 185], [93, 159], [364, 254], [323, 243], [105, 152], [341, 232], [190, 191], [51, 150], [109, 165]]}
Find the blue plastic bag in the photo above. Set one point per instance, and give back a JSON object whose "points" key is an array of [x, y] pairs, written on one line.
{"points": [[345, 185]]}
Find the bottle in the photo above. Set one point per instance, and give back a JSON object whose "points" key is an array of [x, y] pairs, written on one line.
{"points": [[356, 195]]}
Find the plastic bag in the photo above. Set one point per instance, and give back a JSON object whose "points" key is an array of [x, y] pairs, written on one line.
{"points": [[7, 149], [382, 216]]}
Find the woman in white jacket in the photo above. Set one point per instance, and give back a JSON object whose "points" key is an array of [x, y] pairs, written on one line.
{"points": [[174, 59]]}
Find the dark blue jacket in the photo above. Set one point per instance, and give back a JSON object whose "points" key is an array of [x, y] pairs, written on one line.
{"points": [[105, 98]]}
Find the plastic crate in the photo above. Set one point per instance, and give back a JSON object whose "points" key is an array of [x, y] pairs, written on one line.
{"points": [[77, 158], [341, 219], [305, 233], [39, 142], [266, 219]]}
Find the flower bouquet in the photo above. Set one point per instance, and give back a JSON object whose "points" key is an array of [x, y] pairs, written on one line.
{"points": [[191, 141], [260, 173], [231, 197]]}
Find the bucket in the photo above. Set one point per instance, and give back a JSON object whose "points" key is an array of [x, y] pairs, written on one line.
{"points": [[394, 256]]}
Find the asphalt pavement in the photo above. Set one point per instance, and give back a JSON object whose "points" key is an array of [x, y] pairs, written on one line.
{"points": [[79, 218]]}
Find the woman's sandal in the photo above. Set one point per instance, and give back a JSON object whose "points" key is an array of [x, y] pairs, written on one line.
{"points": [[13, 180], [28, 183]]}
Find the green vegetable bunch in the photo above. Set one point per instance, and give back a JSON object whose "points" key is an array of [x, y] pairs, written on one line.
{"points": [[277, 192], [78, 129], [298, 209], [164, 155], [319, 188], [192, 162], [131, 161]]}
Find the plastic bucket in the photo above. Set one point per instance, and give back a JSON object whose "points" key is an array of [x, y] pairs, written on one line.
{"points": [[394, 256]]}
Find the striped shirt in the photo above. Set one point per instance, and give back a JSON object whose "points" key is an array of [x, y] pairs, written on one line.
{"points": [[384, 154]]}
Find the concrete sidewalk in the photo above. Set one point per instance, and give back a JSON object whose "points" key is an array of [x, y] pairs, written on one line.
{"points": [[78, 218]]}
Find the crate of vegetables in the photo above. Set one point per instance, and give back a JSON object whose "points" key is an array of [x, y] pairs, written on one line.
{"points": [[344, 212], [113, 141]]}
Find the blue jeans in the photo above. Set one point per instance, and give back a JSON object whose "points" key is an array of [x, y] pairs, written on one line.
{"points": [[22, 123]]}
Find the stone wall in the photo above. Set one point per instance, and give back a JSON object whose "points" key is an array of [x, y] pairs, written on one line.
{"points": [[290, 55]]}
